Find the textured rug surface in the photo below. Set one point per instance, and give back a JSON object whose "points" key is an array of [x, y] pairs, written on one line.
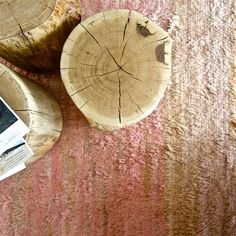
{"points": [[172, 174]]}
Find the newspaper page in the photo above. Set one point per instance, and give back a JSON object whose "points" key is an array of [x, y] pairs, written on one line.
{"points": [[13, 171], [15, 155]]}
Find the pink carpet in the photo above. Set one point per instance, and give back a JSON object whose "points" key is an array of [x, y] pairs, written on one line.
{"points": [[172, 174]]}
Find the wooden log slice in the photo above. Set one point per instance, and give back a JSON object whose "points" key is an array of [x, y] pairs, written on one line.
{"points": [[32, 32], [115, 66], [36, 107]]}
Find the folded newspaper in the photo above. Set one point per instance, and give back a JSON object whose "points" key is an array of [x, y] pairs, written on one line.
{"points": [[14, 151]]}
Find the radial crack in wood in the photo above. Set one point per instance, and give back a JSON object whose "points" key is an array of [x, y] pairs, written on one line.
{"points": [[127, 74], [126, 26]]}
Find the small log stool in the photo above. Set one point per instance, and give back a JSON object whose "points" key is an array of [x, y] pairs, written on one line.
{"points": [[116, 66], [36, 107], [32, 32]]}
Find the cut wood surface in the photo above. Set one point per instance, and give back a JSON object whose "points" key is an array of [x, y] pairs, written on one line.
{"points": [[32, 32], [115, 66], [36, 107]]}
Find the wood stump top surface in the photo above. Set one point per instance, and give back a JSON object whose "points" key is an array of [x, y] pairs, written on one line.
{"points": [[116, 66], [19, 16]]}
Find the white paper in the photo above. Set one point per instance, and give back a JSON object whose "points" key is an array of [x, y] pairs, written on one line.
{"points": [[13, 171], [15, 155]]}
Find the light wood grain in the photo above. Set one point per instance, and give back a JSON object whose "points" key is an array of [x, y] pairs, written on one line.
{"points": [[32, 33], [116, 66], [36, 107]]}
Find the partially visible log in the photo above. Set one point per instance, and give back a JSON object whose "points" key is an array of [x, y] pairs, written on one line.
{"points": [[115, 66], [32, 32], [36, 107]]}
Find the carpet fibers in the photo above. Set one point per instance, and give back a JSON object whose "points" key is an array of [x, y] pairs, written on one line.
{"points": [[172, 174]]}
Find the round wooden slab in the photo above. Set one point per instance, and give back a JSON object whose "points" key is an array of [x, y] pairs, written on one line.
{"points": [[23, 15], [36, 107], [33, 32], [115, 66]]}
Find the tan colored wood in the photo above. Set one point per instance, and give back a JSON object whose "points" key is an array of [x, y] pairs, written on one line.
{"points": [[32, 32], [36, 107], [115, 66]]}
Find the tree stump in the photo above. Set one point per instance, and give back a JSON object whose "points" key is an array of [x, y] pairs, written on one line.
{"points": [[36, 107], [32, 32], [115, 66]]}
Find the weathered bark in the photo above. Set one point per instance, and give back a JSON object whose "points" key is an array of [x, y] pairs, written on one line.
{"points": [[32, 32], [116, 66], [36, 107]]}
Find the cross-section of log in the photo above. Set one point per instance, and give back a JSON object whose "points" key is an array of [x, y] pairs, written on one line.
{"points": [[32, 32], [36, 107], [115, 66]]}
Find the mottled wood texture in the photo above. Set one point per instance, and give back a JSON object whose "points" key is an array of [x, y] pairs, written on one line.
{"points": [[116, 66], [172, 174], [36, 107], [33, 32]]}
